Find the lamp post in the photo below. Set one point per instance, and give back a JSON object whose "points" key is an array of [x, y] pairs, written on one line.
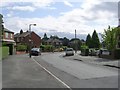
{"points": [[75, 42], [30, 37]]}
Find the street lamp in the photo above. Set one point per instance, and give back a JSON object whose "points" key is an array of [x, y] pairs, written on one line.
{"points": [[30, 37], [75, 42]]}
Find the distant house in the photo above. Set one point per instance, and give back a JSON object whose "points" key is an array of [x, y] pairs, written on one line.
{"points": [[54, 42], [27, 38], [8, 40]]}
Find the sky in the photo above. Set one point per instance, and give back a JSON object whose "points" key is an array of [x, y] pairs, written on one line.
{"points": [[60, 17]]}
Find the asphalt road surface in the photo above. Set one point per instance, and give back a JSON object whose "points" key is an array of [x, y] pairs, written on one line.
{"points": [[51, 70]]}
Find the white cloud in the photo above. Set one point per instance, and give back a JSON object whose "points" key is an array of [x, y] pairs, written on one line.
{"points": [[42, 3], [22, 8], [68, 3], [10, 14], [84, 20]]}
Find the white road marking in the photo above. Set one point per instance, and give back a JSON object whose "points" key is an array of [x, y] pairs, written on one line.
{"points": [[52, 74]]}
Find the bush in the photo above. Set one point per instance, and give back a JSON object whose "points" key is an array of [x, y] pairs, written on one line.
{"points": [[4, 52], [84, 50], [21, 47], [47, 48], [117, 54]]}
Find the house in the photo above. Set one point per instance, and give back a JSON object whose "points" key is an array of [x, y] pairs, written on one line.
{"points": [[28, 38], [8, 40], [54, 42]]}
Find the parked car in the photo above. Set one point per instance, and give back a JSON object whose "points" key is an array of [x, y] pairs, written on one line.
{"points": [[35, 51], [69, 51]]}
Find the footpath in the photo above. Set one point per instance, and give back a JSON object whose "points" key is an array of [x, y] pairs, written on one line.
{"points": [[95, 60]]}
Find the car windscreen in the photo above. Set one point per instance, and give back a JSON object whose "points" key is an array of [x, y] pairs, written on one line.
{"points": [[69, 49]]}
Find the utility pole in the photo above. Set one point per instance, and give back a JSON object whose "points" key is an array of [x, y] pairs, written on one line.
{"points": [[75, 42]]}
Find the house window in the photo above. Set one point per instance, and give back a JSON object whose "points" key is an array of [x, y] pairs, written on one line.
{"points": [[6, 35], [11, 36]]}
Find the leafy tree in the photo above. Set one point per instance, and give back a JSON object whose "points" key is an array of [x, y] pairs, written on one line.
{"points": [[95, 40], [75, 43], [21, 31], [45, 36], [44, 39], [65, 41], [88, 41], [54, 37], [1, 26], [110, 37]]}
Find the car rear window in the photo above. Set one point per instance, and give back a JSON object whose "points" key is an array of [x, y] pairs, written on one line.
{"points": [[70, 49]]}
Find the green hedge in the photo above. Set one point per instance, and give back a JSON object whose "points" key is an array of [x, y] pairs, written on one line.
{"points": [[21, 47], [47, 48], [117, 54], [4, 52]]}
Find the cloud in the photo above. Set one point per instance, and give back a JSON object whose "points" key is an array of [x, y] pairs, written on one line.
{"points": [[42, 3], [83, 19], [68, 4], [22, 8]]}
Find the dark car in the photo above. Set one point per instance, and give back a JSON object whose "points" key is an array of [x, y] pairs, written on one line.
{"points": [[35, 51]]}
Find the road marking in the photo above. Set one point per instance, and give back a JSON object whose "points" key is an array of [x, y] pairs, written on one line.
{"points": [[52, 74]]}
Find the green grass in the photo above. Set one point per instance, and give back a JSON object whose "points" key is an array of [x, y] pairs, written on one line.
{"points": [[4, 52]]}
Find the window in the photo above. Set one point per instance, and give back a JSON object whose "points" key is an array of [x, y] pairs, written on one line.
{"points": [[11, 35], [6, 35]]}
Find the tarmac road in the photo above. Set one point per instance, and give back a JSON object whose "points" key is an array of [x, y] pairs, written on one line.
{"points": [[52, 71]]}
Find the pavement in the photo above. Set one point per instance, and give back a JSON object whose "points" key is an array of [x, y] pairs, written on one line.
{"points": [[95, 60]]}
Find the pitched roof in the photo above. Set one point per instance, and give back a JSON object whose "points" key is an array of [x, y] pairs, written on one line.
{"points": [[53, 40], [6, 30], [24, 34]]}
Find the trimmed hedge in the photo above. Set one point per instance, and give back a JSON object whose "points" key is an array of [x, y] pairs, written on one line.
{"points": [[21, 47], [47, 48], [4, 52], [117, 54]]}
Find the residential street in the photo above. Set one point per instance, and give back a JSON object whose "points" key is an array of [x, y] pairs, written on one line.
{"points": [[50, 70]]}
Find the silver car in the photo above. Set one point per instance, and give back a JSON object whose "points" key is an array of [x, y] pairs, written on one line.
{"points": [[35, 51], [69, 51]]}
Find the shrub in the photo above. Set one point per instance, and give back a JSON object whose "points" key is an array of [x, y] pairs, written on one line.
{"points": [[47, 48], [4, 52], [21, 47], [117, 54]]}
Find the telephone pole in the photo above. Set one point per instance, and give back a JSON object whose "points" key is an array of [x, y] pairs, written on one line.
{"points": [[75, 42]]}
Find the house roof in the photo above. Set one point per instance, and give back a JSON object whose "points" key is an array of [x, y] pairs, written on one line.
{"points": [[53, 40], [6, 30], [24, 34]]}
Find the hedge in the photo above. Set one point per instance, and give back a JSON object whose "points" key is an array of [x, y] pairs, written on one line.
{"points": [[21, 47], [4, 52]]}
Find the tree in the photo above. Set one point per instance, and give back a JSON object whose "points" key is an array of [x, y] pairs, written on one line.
{"points": [[45, 36], [21, 31], [88, 41], [1, 25], [65, 41], [110, 37], [75, 43], [95, 40], [44, 39]]}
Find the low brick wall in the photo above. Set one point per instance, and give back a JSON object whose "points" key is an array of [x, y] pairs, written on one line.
{"points": [[20, 52]]}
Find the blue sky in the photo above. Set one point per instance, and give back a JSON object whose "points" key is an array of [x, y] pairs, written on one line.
{"points": [[60, 17]]}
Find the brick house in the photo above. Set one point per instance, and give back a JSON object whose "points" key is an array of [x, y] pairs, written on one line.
{"points": [[24, 38], [8, 40], [54, 42]]}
